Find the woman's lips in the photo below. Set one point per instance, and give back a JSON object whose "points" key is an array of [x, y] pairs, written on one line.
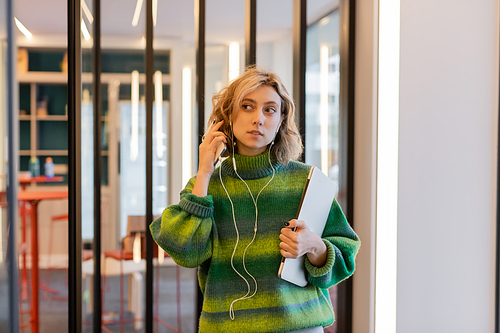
{"points": [[255, 134]]}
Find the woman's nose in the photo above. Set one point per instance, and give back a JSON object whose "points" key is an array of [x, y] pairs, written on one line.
{"points": [[258, 117]]}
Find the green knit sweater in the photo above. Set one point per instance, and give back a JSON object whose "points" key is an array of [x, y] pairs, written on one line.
{"points": [[200, 231]]}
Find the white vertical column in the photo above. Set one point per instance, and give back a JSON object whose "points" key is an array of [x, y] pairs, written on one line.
{"points": [[387, 166]]}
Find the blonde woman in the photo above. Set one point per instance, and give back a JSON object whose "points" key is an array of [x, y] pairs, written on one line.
{"points": [[235, 222]]}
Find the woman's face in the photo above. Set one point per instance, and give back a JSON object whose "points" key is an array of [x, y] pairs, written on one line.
{"points": [[256, 120]]}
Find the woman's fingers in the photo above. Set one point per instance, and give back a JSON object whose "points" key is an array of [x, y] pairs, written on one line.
{"points": [[289, 245], [287, 251], [289, 234], [288, 238], [207, 151], [211, 136], [212, 139], [287, 254], [215, 127], [216, 141], [296, 224], [294, 239]]}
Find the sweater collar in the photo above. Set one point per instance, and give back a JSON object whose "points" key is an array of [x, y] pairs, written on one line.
{"points": [[249, 167]]}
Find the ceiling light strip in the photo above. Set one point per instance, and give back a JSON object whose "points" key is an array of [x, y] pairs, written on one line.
{"points": [[159, 113], [234, 61], [23, 29], [155, 12], [134, 137], [85, 31], [87, 12], [137, 13]]}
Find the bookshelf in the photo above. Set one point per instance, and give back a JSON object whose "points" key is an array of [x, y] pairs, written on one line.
{"points": [[44, 133]]}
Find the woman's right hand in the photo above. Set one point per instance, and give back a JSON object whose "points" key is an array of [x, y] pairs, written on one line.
{"points": [[208, 147]]}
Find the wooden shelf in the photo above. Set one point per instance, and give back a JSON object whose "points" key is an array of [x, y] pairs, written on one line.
{"points": [[43, 77], [51, 153], [62, 78], [52, 118]]}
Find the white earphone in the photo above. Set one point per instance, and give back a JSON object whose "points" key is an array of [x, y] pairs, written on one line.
{"points": [[255, 200]]}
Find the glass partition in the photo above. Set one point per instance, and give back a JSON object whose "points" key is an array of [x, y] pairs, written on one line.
{"points": [[322, 103], [174, 147], [87, 164], [42, 165], [322, 95], [274, 39], [43, 137], [225, 47], [10, 310]]}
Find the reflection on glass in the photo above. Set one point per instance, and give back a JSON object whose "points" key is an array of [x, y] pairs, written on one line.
{"points": [[322, 102], [224, 46], [42, 226], [133, 167], [274, 39], [322, 95], [5, 89], [87, 164]]}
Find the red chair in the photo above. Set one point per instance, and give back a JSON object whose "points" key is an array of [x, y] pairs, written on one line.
{"points": [[22, 283], [136, 225], [24, 212], [86, 255]]}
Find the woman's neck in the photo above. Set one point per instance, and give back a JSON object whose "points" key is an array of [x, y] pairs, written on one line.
{"points": [[250, 167]]}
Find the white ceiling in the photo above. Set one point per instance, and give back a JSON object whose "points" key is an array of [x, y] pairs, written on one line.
{"points": [[225, 19]]}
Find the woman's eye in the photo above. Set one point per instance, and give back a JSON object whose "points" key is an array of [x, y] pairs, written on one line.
{"points": [[270, 110], [246, 107]]}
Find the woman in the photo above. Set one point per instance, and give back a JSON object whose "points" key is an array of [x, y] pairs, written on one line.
{"points": [[235, 222]]}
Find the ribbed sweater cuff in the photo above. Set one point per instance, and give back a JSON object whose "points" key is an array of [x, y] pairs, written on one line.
{"points": [[328, 266], [199, 206]]}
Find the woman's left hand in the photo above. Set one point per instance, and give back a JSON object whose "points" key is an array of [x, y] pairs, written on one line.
{"points": [[302, 241]]}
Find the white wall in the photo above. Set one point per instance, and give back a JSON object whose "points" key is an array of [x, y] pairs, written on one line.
{"points": [[447, 166]]}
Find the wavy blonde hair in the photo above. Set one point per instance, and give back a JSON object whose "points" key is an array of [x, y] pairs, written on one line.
{"points": [[287, 144]]}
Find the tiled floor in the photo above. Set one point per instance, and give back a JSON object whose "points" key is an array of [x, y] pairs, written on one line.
{"points": [[54, 314]]}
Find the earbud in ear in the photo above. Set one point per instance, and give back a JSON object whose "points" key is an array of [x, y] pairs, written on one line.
{"points": [[277, 130], [276, 133]]}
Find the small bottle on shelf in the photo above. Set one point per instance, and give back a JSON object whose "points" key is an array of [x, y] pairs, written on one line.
{"points": [[49, 167], [34, 167]]}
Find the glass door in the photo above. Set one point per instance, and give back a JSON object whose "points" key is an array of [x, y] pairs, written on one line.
{"points": [[9, 292], [322, 106]]}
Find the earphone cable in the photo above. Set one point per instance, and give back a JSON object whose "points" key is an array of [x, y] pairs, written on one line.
{"points": [[231, 311], [255, 200]]}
